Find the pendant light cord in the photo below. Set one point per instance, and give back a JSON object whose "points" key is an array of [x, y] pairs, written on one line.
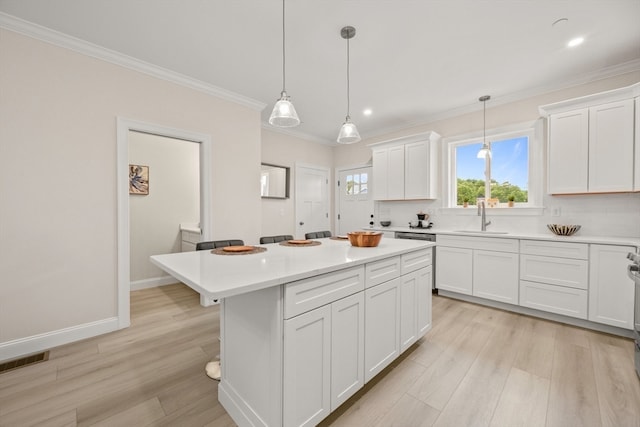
{"points": [[348, 87], [484, 122], [283, 49]]}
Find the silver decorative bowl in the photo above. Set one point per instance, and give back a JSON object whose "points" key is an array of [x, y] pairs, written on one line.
{"points": [[563, 230]]}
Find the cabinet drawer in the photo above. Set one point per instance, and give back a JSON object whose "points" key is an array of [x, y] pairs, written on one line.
{"points": [[555, 299], [380, 271], [307, 294], [416, 260], [573, 273], [555, 249]]}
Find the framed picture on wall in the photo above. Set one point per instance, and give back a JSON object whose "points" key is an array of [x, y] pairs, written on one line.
{"points": [[138, 179]]}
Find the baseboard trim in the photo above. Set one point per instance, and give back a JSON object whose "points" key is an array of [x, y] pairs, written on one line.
{"points": [[154, 282], [581, 323], [37, 343]]}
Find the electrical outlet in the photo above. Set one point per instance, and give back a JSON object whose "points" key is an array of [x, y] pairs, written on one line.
{"points": [[555, 211]]}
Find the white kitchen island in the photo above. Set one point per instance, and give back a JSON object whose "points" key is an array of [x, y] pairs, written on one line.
{"points": [[303, 328]]}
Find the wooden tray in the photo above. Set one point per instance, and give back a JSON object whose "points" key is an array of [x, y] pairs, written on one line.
{"points": [[238, 248], [300, 242]]}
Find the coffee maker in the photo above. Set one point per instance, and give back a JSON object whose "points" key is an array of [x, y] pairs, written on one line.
{"points": [[423, 221]]}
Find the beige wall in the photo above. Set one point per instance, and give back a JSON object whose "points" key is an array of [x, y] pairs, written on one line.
{"points": [[58, 221], [278, 216]]}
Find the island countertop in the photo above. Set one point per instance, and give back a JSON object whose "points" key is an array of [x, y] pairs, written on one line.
{"points": [[220, 276]]}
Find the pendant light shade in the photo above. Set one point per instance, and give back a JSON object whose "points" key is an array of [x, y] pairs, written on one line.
{"points": [[348, 132], [284, 113], [485, 150]]}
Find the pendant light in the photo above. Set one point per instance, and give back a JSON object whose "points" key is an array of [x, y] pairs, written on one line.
{"points": [[485, 150], [348, 132], [284, 113]]}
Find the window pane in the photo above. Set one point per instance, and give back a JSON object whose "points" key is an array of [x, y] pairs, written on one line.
{"points": [[364, 177], [469, 173], [510, 169], [348, 187]]}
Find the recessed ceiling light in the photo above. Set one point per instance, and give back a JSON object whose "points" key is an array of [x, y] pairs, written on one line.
{"points": [[575, 42], [367, 112]]}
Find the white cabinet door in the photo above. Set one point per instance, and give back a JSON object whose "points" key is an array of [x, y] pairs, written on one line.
{"points": [[307, 364], [611, 147], [568, 152], [495, 276], [423, 300], [380, 163], [408, 310], [611, 291], [454, 269], [382, 327], [417, 171], [347, 348], [395, 173]]}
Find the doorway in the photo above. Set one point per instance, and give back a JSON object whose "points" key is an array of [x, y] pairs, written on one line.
{"points": [[312, 199], [354, 199], [124, 128]]}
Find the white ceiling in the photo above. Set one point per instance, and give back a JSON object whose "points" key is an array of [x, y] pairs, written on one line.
{"points": [[411, 60]]}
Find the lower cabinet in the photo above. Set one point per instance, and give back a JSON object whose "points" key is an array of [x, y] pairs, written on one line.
{"points": [[323, 360], [382, 326], [307, 368], [611, 291], [495, 276], [478, 266], [554, 277], [331, 351], [454, 270]]}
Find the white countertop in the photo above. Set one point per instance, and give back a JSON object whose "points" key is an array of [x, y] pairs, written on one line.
{"points": [[576, 238], [219, 276]]}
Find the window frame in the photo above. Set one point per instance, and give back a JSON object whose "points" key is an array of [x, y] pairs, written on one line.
{"points": [[534, 132]]}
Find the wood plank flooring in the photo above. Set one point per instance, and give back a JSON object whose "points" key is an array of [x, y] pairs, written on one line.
{"points": [[478, 366]]}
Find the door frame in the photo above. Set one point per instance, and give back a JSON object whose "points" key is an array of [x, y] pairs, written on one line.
{"points": [[124, 126], [336, 189]]}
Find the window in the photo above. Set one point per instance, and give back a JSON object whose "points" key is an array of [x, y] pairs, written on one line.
{"points": [[507, 174], [357, 184]]}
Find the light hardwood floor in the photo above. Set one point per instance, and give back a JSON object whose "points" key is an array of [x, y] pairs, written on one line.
{"points": [[478, 367]]}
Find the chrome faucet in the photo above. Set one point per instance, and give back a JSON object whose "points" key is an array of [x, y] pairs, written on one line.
{"points": [[481, 212]]}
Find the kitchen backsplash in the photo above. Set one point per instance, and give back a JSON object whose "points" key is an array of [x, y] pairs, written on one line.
{"points": [[611, 215]]}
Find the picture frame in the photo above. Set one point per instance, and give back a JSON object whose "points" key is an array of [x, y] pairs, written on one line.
{"points": [[139, 179]]}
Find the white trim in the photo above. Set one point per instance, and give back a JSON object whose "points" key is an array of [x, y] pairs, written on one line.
{"points": [[154, 282], [57, 38], [36, 343], [614, 95], [534, 130], [123, 127], [296, 167]]}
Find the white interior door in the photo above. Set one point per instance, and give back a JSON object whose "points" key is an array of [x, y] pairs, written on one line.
{"points": [[312, 199], [355, 200]]}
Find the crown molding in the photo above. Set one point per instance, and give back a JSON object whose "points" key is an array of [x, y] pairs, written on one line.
{"points": [[57, 38]]}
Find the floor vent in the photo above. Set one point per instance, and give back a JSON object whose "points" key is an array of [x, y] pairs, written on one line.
{"points": [[23, 361]]}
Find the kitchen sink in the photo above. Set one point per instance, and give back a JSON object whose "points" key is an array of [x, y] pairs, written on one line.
{"points": [[481, 232]]}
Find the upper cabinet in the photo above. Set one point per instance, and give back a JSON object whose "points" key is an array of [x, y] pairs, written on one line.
{"points": [[591, 143], [406, 168]]}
